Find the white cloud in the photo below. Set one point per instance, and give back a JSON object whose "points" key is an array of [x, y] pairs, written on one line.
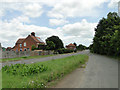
{"points": [[1, 13], [22, 19], [27, 9], [113, 3], [60, 8], [82, 29], [56, 22], [76, 8], [11, 30], [71, 39], [80, 32], [33, 10]]}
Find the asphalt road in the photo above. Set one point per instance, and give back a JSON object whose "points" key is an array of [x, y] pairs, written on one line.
{"points": [[100, 72], [41, 59]]}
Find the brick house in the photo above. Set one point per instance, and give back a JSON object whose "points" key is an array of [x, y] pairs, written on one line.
{"points": [[24, 44], [71, 46]]}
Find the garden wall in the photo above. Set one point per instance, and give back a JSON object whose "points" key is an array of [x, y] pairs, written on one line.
{"points": [[13, 54]]}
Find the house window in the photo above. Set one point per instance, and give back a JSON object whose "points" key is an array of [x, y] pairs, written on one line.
{"points": [[20, 45], [24, 43], [28, 49]]}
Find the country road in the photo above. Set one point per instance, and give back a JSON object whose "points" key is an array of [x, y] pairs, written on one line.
{"points": [[41, 59], [100, 72]]}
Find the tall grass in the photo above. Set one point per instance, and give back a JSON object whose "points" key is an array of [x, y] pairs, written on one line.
{"points": [[56, 69]]}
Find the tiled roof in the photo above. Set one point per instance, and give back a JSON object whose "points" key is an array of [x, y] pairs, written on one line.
{"points": [[20, 40], [71, 45], [37, 39]]}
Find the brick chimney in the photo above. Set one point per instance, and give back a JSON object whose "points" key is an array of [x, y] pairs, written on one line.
{"points": [[33, 34]]}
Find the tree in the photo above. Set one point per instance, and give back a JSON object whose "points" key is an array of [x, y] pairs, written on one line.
{"points": [[91, 47], [81, 47], [57, 41], [41, 46], [106, 40], [50, 45]]}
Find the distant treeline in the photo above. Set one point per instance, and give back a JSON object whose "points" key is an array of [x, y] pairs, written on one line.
{"points": [[107, 36], [81, 47]]}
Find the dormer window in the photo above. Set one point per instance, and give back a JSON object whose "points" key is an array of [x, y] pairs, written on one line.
{"points": [[24, 43]]}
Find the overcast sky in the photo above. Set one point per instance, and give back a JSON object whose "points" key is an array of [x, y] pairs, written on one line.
{"points": [[71, 20]]}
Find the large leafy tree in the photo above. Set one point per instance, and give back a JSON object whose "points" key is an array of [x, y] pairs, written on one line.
{"points": [[107, 39], [57, 41], [50, 45]]}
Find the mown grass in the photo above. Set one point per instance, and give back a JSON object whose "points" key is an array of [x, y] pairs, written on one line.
{"points": [[56, 69], [25, 58]]}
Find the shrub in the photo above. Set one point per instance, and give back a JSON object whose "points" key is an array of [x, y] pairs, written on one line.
{"points": [[63, 50], [33, 47], [23, 69], [75, 50], [60, 51]]}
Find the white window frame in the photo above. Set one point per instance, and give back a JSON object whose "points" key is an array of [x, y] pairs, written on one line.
{"points": [[25, 44]]}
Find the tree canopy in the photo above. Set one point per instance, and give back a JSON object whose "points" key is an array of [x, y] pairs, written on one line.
{"points": [[50, 45], [57, 41], [81, 47], [107, 35]]}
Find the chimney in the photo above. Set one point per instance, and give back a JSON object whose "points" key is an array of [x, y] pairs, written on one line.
{"points": [[33, 34]]}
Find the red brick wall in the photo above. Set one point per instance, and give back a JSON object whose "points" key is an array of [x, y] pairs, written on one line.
{"points": [[29, 42], [17, 47]]}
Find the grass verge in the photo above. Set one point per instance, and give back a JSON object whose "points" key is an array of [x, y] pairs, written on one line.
{"points": [[56, 69], [0, 80], [25, 58]]}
